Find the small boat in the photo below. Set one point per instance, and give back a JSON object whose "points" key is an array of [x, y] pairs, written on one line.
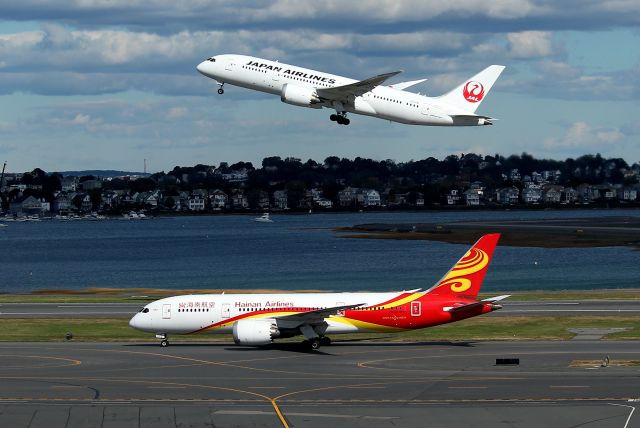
{"points": [[264, 218]]}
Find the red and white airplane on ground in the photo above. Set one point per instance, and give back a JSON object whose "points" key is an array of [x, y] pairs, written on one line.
{"points": [[257, 319], [303, 87]]}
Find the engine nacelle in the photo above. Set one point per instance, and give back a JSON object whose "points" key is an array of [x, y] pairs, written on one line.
{"points": [[255, 332], [299, 96]]}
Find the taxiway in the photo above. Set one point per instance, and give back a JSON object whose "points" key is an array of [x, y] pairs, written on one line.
{"points": [[350, 384]]}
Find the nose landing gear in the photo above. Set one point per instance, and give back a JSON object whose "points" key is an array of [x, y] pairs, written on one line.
{"points": [[221, 88], [163, 342], [340, 118]]}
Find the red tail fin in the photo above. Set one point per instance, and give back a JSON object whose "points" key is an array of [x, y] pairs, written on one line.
{"points": [[464, 279]]}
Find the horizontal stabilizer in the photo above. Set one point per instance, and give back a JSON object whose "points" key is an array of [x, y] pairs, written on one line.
{"points": [[473, 305], [471, 119], [497, 298]]}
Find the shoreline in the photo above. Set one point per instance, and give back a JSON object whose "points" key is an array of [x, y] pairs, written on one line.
{"points": [[115, 295], [552, 233]]}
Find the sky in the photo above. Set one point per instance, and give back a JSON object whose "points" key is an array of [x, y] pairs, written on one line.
{"points": [[106, 84]]}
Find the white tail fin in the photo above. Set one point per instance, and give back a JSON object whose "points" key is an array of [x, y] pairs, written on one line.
{"points": [[470, 94]]}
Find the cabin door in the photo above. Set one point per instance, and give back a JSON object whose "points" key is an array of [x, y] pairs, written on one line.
{"points": [[416, 309], [166, 312], [226, 310]]}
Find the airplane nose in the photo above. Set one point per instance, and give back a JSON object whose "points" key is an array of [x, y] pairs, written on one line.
{"points": [[132, 321], [202, 67]]}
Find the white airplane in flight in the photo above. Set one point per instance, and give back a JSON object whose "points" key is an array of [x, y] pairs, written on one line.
{"points": [[310, 88], [257, 319]]}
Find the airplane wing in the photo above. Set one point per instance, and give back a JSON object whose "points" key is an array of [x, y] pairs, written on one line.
{"points": [[317, 316], [356, 89], [404, 85]]}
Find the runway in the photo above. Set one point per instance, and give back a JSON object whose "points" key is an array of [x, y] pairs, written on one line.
{"points": [[435, 384], [510, 307]]}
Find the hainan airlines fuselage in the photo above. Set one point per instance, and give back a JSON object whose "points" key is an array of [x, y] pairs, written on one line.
{"points": [[315, 89], [257, 319]]}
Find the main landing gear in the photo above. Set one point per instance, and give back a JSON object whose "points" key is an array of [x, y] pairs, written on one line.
{"points": [[315, 343], [341, 118]]}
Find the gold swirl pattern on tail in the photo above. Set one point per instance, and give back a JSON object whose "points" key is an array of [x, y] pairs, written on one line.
{"points": [[473, 261]]}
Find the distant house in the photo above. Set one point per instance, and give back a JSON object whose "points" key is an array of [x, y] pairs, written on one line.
{"points": [[508, 195], [628, 194], [569, 195], [84, 202], [196, 203], [219, 199], [370, 198], [110, 199], [263, 200], [323, 203], [150, 199], [607, 192], [552, 194], [472, 197], [26, 205], [587, 193], [453, 197], [61, 203], [239, 200], [280, 200], [347, 196], [69, 184], [531, 195]]}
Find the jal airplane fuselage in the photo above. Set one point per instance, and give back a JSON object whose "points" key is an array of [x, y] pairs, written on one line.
{"points": [[315, 89]]}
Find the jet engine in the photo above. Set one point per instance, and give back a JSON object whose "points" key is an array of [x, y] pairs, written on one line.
{"points": [[255, 332], [299, 96]]}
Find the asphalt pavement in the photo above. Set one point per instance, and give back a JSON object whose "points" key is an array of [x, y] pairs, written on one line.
{"points": [[353, 384]]}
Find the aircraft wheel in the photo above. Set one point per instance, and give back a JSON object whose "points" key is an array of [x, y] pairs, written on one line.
{"points": [[164, 343], [333, 117], [340, 120], [221, 91], [346, 121], [325, 341], [314, 344]]}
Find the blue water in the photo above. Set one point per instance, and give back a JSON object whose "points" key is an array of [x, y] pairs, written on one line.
{"points": [[293, 252]]}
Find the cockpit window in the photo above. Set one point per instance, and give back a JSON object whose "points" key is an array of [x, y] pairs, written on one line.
{"points": [[144, 310], [212, 59]]}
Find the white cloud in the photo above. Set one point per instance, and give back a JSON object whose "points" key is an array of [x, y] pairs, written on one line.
{"points": [[176, 113], [581, 135], [530, 44]]}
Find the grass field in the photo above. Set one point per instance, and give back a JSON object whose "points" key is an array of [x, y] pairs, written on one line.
{"points": [[147, 295], [480, 328]]}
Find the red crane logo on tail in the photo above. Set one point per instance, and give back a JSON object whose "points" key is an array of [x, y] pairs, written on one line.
{"points": [[473, 91]]}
